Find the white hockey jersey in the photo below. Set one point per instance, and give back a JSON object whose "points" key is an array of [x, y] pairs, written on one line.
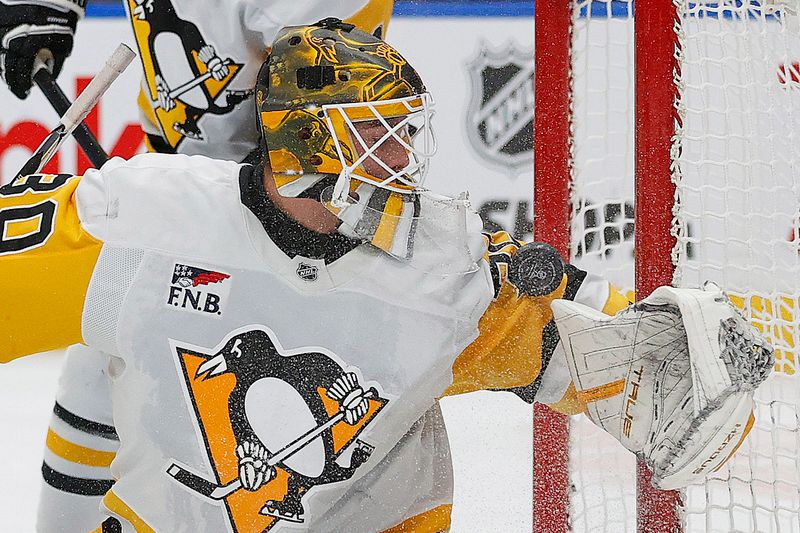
{"points": [[200, 61], [227, 351]]}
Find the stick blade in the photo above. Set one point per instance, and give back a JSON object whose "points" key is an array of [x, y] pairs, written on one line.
{"points": [[200, 485], [44, 153]]}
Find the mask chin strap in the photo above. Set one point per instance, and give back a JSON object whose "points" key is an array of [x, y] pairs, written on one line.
{"points": [[341, 192]]}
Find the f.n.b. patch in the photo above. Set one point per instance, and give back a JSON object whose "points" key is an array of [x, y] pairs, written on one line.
{"points": [[199, 290]]}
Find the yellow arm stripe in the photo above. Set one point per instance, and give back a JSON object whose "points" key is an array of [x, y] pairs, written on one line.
{"points": [[75, 453], [616, 302], [601, 392], [114, 504], [508, 352], [434, 521], [44, 285]]}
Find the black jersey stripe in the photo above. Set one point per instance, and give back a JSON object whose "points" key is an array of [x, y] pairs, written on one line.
{"points": [[75, 485], [494, 246], [82, 424]]}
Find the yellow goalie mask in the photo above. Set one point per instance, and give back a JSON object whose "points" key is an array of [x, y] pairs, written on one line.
{"points": [[343, 114]]}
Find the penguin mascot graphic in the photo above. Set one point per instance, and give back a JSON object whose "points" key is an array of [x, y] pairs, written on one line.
{"points": [[182, 67], [285, 411]]}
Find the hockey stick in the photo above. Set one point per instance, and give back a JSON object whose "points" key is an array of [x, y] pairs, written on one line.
{"points": [[83, 135], [219, 492], [84, 103], [191, 84]]}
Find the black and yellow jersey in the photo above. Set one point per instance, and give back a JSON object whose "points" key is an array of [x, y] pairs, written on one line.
{"points": [[231, 344], [518, 337], [200, 61]]}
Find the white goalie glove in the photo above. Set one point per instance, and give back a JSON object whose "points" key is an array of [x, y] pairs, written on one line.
{"points": [[672, 377]]}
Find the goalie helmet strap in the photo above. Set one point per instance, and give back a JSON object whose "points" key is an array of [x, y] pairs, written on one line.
{"points": [[315, 77]]}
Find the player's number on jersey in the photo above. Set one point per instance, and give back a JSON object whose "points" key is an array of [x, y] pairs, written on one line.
{"points": [[34, 183], [26, 227]]}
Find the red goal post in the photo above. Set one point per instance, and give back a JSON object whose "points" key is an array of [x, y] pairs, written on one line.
{"points": [[697, 103]]}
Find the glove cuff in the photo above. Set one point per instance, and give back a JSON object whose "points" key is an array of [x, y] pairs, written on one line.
{"points": [[76, 6]]}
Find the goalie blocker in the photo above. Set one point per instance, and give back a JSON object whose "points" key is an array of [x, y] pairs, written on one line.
{"points": [[671, 377]]}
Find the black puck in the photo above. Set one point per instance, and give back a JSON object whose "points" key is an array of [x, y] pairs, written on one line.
{"points": [[536, 269]]}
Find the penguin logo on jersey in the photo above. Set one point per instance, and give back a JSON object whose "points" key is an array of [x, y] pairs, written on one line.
{"points": [[275, 424], [185, 76]]}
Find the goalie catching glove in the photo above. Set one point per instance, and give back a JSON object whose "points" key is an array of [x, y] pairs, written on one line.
{"points": [[671, 377]]}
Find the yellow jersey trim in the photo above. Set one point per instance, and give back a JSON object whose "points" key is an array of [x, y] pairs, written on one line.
{"points": [[47, 310], [436, 520], [113, 503], [76, 453]]}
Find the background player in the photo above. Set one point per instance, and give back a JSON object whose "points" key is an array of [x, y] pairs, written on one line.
{"points": [[196, 98]]}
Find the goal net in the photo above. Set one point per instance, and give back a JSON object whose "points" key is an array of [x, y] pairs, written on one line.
{"points": [[683, 131]]}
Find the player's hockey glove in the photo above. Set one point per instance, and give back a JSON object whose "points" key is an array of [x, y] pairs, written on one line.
{"points": [[216, 66], [26, 28], [672, 377], [353, 400], [254, 472]]}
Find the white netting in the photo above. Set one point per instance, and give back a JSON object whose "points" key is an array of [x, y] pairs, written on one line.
{"points": [[602, 472], [739, 196], [739, 188]]}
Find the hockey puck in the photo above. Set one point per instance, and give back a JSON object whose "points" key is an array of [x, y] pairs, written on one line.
{"points": [[536, 269]]}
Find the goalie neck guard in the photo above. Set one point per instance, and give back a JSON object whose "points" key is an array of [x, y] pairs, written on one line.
{"points": [[336, 102]]}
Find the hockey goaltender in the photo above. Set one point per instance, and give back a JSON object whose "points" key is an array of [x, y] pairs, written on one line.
{"points": [[280, 332]]}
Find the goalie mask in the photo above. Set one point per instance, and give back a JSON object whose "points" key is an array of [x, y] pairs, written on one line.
{"points": [[345, 119]]}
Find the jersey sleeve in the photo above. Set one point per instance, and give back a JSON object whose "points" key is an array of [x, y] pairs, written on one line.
{"points": [[517, 334], [46, 261]]}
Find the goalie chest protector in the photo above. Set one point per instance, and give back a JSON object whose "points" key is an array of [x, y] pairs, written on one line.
{"points": [[220, 341]]}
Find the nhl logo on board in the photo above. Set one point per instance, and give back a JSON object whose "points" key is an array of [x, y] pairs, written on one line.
{"points": [[307, 272], [500, 114]]}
